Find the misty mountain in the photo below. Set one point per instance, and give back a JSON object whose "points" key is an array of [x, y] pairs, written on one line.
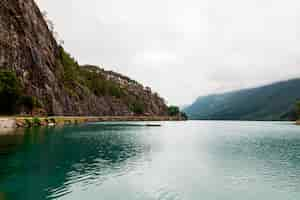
{"points": [[270, 102]]}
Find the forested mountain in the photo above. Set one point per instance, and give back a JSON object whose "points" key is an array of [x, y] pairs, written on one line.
{"points": [[271, 102]]}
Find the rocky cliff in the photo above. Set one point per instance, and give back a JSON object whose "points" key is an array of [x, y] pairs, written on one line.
{"points": [[51, 77]]}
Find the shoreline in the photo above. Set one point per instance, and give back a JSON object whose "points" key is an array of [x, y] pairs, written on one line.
{"points": [[23, 122]]}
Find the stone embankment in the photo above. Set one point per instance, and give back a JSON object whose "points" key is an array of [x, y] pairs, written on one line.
{"points": [[7, 123], [298, 122], [22, 122]]}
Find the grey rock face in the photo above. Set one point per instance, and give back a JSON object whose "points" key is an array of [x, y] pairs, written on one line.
{"points": [[28, 47]]}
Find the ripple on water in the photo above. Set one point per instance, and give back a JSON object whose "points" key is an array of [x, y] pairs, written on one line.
{"points": [[191, 160]]}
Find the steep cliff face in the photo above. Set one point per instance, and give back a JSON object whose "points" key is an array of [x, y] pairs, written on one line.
{"points": [[62, 87], [28, 48]]}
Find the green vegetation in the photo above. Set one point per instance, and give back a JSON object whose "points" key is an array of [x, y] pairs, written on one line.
{"points": [[70, 70], [77, 81], [173, 110], [75, 75], [33, 122], [99, 85], [91, 78], [271, 102], [114, 90], [28, 122], [10, 91], [36, 121], [11, 98], [137, 107]]}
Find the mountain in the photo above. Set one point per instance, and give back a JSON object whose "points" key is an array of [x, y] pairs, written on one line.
{"points": [[271, 102], [37, 75]]}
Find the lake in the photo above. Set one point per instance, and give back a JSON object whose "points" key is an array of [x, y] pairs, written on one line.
{"points": [[191, 160]]}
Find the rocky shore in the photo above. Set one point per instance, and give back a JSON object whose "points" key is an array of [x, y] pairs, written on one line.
{"points": [[7, 123], [23, 122]]}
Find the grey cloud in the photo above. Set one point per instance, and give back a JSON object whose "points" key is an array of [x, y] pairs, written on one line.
{"points": [[183, 49]]}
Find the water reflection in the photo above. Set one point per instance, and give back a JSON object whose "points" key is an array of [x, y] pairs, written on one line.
{"points": [[180, 160], [65, 155], [263, 156]]}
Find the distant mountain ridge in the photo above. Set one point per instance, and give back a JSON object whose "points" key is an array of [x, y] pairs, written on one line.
{"points": [[270, 102]]}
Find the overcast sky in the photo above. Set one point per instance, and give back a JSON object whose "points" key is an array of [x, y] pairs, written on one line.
{"points": [[184, 48]]}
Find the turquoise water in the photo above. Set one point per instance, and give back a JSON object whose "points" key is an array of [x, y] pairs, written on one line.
{"points": [[180, 160]]}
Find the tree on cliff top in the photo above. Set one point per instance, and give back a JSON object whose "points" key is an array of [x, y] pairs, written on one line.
{"points": [[173, 110]]}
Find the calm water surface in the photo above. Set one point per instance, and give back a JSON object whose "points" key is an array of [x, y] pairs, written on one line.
{"points": [[180, 160]]}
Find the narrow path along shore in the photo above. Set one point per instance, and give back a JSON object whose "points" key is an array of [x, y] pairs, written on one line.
{"points": [[22, 122], [7, 122]]}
